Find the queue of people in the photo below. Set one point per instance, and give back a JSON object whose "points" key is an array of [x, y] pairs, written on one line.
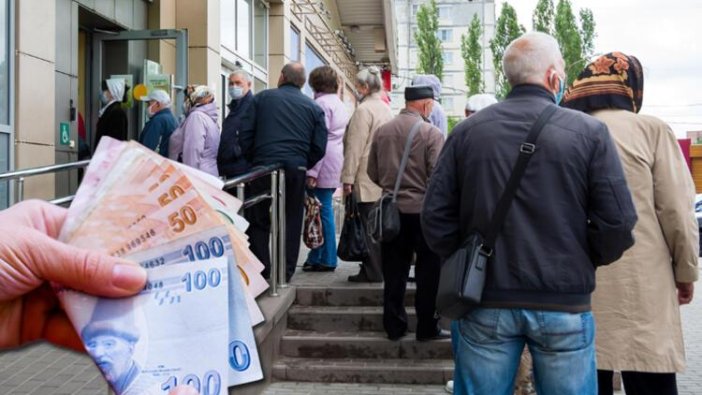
{"points": [[605, 200]]}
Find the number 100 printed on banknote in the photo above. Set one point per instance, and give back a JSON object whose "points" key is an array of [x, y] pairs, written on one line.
{"points": [[162, 337]]}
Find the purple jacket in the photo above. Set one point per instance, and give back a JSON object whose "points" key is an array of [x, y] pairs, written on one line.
{"points": [[197, 139], [328, 170]]}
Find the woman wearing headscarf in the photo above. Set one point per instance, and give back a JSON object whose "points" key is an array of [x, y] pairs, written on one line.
{"points": [[637, 300], [196, 141], [370, 114], [112, 119]]}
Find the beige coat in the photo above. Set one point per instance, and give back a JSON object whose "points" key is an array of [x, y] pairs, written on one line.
{"points": [[386, 154], [635, 302], [368, 117]]}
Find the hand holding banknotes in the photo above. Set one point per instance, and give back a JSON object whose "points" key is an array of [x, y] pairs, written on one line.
{"points": [[30, 256]]}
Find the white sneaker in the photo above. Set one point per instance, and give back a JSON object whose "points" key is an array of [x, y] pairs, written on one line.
{"points": [[449, 387]]}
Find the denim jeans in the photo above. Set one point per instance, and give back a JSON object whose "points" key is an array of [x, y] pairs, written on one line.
{"points": [[488, 344], [325, 254]]}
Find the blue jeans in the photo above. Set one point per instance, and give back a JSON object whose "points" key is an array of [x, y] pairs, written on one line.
{"points": [[326, 254], [488, 344]]}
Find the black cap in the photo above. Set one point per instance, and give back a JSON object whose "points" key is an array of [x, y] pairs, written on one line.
{"points": [[418, 92]]}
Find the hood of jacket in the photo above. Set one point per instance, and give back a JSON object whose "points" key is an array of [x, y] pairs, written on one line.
{"points": [[210, 109]]}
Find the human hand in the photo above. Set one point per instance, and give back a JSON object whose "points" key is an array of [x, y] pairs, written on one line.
{"points": [[685, 292], [30, 257], [348, 189], [311, 182]]}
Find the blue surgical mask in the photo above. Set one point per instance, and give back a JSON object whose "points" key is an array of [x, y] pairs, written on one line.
{"points": [[561, 90], [236, 92]]}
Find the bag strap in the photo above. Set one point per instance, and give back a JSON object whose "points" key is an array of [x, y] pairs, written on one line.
{"points": [[526, 151], [405, 157]]}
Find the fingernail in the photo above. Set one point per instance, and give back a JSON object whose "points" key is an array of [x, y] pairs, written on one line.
{"points": [[128, 277]]}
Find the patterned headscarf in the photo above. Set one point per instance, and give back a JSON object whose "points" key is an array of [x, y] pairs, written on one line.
{"points": [[613, 80]]}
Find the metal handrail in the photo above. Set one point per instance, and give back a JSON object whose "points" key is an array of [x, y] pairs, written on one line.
{"points": [[277, 196], [36, 171]]}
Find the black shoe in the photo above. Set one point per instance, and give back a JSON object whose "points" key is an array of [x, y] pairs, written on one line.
{"points": [[309, 268], [324, 268], [397, 337], [362, 278], [441, 334]]}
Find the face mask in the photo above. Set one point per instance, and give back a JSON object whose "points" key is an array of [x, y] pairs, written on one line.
{"points": [[236, 92], [561, 89], [104, 99]]}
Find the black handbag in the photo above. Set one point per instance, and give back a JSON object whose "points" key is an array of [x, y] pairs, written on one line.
{"points": [[384, 217], [352, 241], [462, 276]]}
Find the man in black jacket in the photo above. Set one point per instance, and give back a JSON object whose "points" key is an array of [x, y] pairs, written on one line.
{"points": [[282, 126], [230, 157], [572, 212]]}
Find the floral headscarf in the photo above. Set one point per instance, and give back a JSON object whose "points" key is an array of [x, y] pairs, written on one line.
{"points": [[613, 80]]}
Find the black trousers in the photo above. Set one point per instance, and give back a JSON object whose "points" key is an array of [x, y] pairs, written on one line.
{"points": [[638, 383], [371, 267], [397, 259], [259, 218]]}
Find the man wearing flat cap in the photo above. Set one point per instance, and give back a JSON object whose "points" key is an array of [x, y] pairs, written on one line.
{"points": [[384, 161], [110, 338]]}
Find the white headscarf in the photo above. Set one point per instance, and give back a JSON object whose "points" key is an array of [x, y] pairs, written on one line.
{"points": [[116, 88]]}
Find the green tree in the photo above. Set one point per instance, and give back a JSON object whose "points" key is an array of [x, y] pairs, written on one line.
{"points": [[567, 33], [587, 32], [506, 30], [472, 53], [542, 19], [431, 60]]}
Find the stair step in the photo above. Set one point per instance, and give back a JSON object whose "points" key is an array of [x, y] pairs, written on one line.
{"points": [[351, 295], [371, 345], [386, 371], [348, 318]]}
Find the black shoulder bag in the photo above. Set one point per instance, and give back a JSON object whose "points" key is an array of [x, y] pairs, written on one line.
{"points": [[462, 276], [384, 217]]}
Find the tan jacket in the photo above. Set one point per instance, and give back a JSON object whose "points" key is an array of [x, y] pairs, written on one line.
{"points": [[386, 154], [635, 302], [367, 118]]}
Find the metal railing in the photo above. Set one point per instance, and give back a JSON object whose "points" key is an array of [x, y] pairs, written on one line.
{"points": [[276, 194]]}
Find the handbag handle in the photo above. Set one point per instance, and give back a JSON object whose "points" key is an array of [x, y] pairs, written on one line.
{"points": [[405, 157], [526, 151]]}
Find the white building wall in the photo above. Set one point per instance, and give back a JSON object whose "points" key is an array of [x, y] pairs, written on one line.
{"points": [[454, 18]]}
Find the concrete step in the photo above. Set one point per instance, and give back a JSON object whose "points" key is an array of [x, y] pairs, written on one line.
{"points": [[348, 318], [370, 345], [351, 295], [385, 371]]}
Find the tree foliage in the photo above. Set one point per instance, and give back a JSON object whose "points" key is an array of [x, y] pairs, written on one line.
{"points": [[472, 53], [506, 30], [587, 32], [567, 33], [542, 18], [430, 57]]}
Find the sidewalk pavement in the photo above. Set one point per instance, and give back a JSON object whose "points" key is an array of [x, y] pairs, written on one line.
{"points": [[42, 369]]}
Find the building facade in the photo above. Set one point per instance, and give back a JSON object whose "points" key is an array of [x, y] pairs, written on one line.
{"points": [[54, 54], [454, 18]]}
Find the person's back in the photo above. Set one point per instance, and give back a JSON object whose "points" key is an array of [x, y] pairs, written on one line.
{"points": [[286, 125], [572, 212]]}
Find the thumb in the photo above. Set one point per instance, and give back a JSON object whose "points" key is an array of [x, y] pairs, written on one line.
{"points": [[84, 270]]}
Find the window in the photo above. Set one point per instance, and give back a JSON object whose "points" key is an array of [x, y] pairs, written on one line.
{"points": [[415, 8], [261, 34], [447, 103], [413, 36], [243, 27], [294, 45], [445, 35], [6, 98], [448, 57], [259, 85], [227, 16], [312, 61], [413, 58], [444, 12]]}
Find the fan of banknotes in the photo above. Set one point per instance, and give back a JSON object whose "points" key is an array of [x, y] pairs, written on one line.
{"points": [[192, 323]]}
